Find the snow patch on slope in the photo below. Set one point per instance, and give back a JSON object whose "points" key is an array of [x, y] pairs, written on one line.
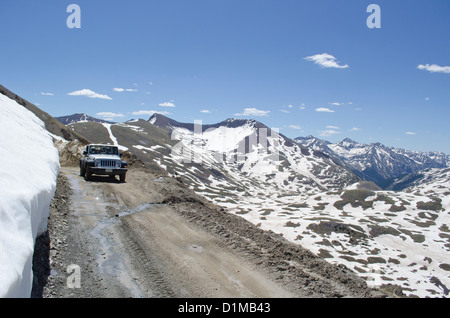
{"points": [[113, 139]]}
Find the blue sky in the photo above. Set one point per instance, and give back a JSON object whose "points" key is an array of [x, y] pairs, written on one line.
{"points": [[305, 67]]}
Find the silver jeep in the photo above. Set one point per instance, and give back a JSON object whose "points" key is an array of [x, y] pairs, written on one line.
{"points": [[102, 160]]}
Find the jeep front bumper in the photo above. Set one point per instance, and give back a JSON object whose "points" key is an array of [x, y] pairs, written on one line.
{"points": [[106, 171]]}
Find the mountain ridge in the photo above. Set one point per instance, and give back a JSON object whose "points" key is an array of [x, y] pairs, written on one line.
{"points": [[377, 162], [80, 117]]}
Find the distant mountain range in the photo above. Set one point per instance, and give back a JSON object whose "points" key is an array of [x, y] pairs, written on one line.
{"points": [[377, 162]]}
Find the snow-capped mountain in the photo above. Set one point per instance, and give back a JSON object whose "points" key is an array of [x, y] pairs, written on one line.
{"points": [[377, 162], [323, 146], [240, 147], [80, 118]]}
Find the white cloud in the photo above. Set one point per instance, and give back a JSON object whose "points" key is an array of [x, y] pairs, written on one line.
{"points": [[295, 127], [335, 104], [333, 127], [108, 115], [410, 133], [253, 112], [88, 93], [124, 90], [289, 107], [206, 111], [355, 129], [47, 94], [149, 113], [427, 98], [433, 68], [325, 60], [328, 132], [167, 104], [324, 110]]}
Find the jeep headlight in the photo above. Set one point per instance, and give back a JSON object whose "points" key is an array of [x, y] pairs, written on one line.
{"points": [[118, 164], [97, 162]]}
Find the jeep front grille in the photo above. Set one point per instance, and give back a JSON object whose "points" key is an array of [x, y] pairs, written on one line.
{"points": [[107, 163]]}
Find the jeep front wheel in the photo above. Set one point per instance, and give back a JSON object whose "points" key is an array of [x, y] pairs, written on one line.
{"points": [[122, 177], [82, 170], [87, 175]]}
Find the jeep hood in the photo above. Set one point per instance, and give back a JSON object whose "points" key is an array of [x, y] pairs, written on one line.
{"points": [[112, 157]]}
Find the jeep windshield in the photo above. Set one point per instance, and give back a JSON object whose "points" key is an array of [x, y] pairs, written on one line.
{"points": [[103, 150]]}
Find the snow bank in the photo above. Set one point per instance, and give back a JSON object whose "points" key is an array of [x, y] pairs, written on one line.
{"points": [[27, 184]]}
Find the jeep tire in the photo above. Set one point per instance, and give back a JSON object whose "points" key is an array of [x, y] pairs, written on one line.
{"points": [[82, 170], [87, 175]]}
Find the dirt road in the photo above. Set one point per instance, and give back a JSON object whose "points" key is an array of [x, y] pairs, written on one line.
{"points": [[153, 237]]}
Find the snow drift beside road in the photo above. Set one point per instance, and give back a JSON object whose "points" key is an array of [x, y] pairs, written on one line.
{"points": [[27, 183]]}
